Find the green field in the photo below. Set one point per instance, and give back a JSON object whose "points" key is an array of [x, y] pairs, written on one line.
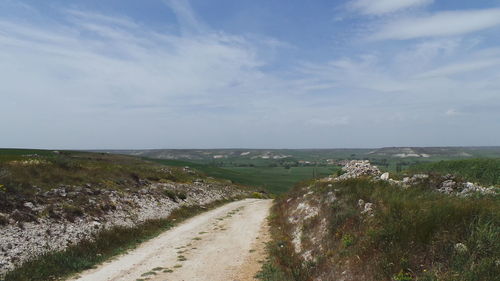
{"points": [[278, 179], [271, 179]]}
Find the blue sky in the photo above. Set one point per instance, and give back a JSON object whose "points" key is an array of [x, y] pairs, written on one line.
{"points": [[257, 74]]}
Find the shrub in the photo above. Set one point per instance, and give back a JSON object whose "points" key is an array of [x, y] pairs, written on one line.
{"points": [[401, 276], [71, 212], [3, 220], [347, 240], [182, 195], [175, 195], [257, 195]]}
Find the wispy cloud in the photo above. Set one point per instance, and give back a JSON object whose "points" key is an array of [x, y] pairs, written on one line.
{"points": [[379, 7], [120, 57], [462, 67], [185, 16], [448, 23], [331, 122], [93, 80]]}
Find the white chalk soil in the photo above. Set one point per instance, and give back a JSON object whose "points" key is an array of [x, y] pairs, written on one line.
{"points": [[227, 243]]}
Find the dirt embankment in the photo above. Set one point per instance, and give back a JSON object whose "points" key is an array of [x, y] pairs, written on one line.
{"points": [[23, 240]]}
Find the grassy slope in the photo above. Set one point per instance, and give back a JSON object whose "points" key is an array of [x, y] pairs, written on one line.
{"points": [[484, 171], [412, 236], [20, 169], [26, 174]]}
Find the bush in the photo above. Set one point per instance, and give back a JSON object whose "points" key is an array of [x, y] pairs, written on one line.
{"points": [[71, 212], [347, 240], [176, 195], [257, 195], [3, 220], [401, 276]]}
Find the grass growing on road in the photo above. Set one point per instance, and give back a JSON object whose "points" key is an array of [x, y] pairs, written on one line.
{"points": [[107, 244]]}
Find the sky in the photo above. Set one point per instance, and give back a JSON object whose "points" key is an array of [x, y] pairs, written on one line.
{"points": [[118, 74]]}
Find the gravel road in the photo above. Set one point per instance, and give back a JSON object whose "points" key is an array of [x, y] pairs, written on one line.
{"points": [[226, 243]]}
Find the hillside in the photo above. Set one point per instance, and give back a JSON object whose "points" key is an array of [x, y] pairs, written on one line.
{"points": [[484, 171], [389, 158], [314, 155], [278, 170], [52, 201], [363, 225]]}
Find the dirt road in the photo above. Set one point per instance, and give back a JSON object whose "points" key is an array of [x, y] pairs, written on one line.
{"points": [[226, 243]]}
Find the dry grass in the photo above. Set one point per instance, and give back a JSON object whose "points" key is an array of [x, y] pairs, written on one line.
{"points": [[412, 235]]}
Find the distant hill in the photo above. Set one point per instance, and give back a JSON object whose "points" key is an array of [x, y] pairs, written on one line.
{"points": [[210, 155], [436, 152]]}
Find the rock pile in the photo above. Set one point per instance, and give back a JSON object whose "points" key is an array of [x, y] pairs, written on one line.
{"points": [[366, 207], [464, 189], [359, 168], [415, 179], [447, 184]]}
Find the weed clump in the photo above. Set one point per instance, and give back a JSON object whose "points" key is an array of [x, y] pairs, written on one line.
{"points": [[175, 195]]}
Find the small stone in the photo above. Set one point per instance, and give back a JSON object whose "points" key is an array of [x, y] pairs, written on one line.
{"points": [[461, 248], [368, 209], [361, 203]]}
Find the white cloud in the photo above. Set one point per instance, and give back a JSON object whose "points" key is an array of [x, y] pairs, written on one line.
{"points": [[452, 112], [330, 122], [462, 67], [100, 81], [121, 65], [449, 23], [186, 16], [378, 7]]}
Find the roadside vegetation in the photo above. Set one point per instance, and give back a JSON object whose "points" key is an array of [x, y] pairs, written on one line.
{"points": [[109, 243], [406, 234]]}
